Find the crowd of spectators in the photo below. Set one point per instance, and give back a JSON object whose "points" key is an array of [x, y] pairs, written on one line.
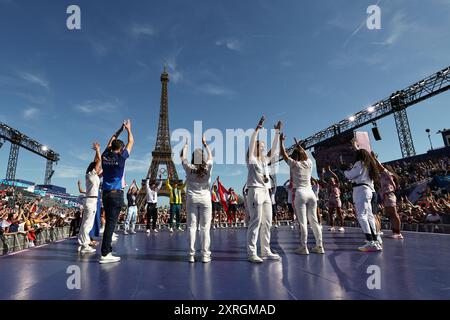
{"points": [[431, 206], [27, 214]]}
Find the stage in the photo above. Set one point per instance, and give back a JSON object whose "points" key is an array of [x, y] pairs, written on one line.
{"points": [[155, 267]]}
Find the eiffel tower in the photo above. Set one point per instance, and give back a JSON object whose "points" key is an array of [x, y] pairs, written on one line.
{"points": [[162, 154]]}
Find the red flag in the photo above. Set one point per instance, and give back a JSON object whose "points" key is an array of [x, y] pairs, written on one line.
{"points": [[222, 195]]}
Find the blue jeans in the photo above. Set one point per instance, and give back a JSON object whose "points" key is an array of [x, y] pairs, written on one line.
{"points": [[112, 203], [175, 210], [131, 218]]}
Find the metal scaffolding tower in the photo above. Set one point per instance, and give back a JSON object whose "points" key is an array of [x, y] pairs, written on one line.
{"points": [[19, 140]]}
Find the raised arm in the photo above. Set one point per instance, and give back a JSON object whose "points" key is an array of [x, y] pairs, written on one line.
{"points": [[299, 147], [274, 151], [98, 157], [115, 136], [283, 149], [184, 151], [168, 186], [252, 145], [208, 150], [130, 144]]}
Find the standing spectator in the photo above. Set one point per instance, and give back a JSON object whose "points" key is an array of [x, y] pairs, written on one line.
{"points": [[130, 220], [176, 200], [152, 203]]}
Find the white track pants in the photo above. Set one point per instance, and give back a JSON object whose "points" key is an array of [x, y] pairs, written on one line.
{"points": [[362, 197], [306, 210], [87, 222], [260, 211], [199, 209], [130, 221]]}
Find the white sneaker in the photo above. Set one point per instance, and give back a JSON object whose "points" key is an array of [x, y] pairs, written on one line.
{"points": [[148, 231], [302, 250], [206, 259], [332, 229], [271, 256], [379, 239], [133, 232], [255, 259], [318, 249], [397, 236], [179, 229], [276, 226], [170, 230], [379, 246], [214, 227], [369, 246], [191, 259], [88, 249], [124, 232], [109, 258], [155, 231], [79, 248], [341, 229]]}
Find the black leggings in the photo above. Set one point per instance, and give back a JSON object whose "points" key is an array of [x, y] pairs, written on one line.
{"points": [[152, 212]]}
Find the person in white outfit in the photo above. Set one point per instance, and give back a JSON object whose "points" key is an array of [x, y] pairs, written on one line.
{"points": [[130, 221], [305, 199], [362, 175], [198, 199], [152, 203], [92, 177], [258, 199]]}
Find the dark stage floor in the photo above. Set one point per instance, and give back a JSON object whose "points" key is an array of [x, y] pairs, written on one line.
{"points": [[156, 267]]}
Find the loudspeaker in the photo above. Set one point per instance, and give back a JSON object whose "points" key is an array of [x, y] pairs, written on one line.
{"points": [[376, 134]]}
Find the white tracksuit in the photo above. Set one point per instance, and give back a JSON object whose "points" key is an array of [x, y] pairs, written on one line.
{"points": [[89, 208], [259, 206], [199, 207], [362, 196], [260, 211], [305, 202], [87, 222]]}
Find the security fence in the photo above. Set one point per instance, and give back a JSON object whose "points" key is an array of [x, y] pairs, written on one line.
{"points": [[13, 242]]}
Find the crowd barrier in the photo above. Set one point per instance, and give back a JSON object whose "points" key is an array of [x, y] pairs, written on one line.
{"points": [[13, 242]]}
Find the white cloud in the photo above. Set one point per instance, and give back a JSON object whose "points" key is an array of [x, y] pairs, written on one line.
{"points": [[96, 106], [398, 26], [34, 79], [215, 90], [68, 172], [175, 74], [142, 30], [30, 113], [230, 43], [138, 165]]}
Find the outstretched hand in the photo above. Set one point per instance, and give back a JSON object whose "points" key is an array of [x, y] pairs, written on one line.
{"points": [[96, 146], [261, 122], [278, 126], [127, 124]]}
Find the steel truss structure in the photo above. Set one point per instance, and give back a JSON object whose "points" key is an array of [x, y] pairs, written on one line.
{"points": [[396, 104]]}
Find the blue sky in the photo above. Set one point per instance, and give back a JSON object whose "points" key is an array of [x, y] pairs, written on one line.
{"points": [[308, 64]]}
